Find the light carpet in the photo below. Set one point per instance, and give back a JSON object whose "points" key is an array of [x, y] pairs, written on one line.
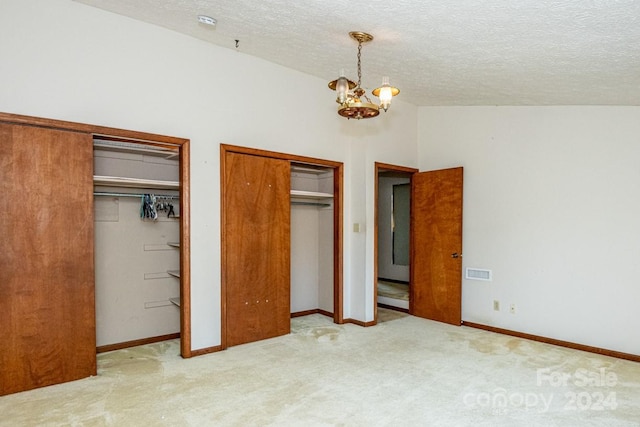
{"points": [[393, 290], [404, 371]]}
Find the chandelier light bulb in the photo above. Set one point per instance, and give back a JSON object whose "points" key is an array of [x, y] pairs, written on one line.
{"points": [[342, 88], [385, 93]]}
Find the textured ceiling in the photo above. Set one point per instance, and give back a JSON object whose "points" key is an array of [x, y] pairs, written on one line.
{"points": [[471, 52]]}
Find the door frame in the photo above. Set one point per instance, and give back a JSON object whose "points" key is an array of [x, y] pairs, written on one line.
{"points": [[143, 138], [385, 167], [338, 183]]}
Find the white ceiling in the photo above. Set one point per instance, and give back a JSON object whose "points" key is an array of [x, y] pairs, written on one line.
{"points": [[468, 52]]}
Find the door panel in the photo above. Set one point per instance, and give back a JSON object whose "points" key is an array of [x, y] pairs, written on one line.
{"points": [[436, 240], [256, 227], [47, 308]]}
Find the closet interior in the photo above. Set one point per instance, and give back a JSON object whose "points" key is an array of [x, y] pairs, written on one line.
{"points": [[312, 235], [137, 235]]}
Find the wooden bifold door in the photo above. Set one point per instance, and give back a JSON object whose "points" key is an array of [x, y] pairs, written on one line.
{"points": [[256, 239], [47, 312]]}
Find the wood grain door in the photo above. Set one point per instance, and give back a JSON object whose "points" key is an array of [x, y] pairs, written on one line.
{"points": [[436, 240], [256, 236], [47, 308]]}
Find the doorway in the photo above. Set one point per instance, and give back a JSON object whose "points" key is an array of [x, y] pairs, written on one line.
{"points": [[392, 236], [435, 239]]}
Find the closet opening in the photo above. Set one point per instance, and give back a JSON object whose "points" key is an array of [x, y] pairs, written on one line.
{"points": [[312, 217], [281, 241], [138, 202], [50, 243]]}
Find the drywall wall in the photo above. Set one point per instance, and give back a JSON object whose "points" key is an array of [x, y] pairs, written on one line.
{"points": [[132, 284], [551, 207], [305, 253], [386, 268], [73, 62], [326, 246]]}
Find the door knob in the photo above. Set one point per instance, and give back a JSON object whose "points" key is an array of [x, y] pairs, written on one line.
{"points": [[455, 255]]}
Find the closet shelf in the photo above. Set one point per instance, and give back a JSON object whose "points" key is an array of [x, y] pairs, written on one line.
{"points": [[118, 181], [174, 273], [309, 170], [175, 300], [310, 194], [174, 244]]}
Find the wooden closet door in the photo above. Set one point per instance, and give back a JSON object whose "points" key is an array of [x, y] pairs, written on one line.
{"points": [[47, 308], [256, 228]]}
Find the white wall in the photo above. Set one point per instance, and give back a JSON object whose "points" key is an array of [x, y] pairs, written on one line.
{"points": [[68, 61], [132, 287], [325, 245], [305, 256], [551, 205]]}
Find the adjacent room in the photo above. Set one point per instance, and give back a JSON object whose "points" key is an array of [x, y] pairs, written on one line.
{"points": [[358, 214]]}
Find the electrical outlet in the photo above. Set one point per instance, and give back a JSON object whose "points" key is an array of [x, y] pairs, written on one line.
{"points": [[512, 308], [496, 305]]}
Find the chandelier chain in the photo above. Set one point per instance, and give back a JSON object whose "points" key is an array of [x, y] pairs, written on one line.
{"points": [[359, 54]]}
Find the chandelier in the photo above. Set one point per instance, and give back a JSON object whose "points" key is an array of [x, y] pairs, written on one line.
{"points": [[350, 95]]}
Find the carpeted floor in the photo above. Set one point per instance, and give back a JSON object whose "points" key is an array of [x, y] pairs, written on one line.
{"points": [[393, 290], [404, 371]]}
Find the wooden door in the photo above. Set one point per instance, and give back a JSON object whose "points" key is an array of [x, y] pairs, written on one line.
{"points": [[436, 240], [47, 309], [256, 239]]}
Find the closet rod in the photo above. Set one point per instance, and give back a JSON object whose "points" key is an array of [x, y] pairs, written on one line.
{"points": [[322, 205], [160, 196]]}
